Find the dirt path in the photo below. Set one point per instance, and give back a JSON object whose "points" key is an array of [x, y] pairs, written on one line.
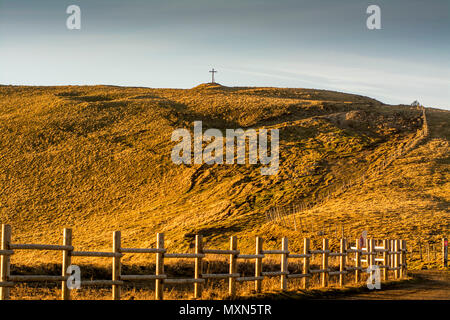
{"points": [[427, 285]]}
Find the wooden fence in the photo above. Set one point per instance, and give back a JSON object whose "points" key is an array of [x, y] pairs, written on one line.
{"points": [[430, 251], [388, 255]]}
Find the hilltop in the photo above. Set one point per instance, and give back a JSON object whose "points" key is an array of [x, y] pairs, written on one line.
{"points": [[97, 159]]}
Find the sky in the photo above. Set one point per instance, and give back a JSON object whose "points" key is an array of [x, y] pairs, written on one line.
{"points": [[321, 44]]}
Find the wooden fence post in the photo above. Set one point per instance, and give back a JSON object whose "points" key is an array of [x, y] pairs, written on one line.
{"points": [[233, 267], [5, 260], [284, 263], [258, 264], [392, 246], [391, 255], [399, 247], [402, 257], [159, 286], [306, 246], [372, 252], [375, 253], [325, 262], [405, 260], [357, 261], [198, 266], [396, 262], [342, 259], [386, 260], [116, 265], [66, 262], [445, 252]]}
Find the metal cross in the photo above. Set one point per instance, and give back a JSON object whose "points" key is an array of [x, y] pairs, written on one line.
{"points": [[213, 71]]}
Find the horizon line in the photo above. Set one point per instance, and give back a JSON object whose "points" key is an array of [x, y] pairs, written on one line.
{"points": [[447, 108]]}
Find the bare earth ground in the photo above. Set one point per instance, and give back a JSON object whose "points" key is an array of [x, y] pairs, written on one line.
{"points": [[428, 285]]}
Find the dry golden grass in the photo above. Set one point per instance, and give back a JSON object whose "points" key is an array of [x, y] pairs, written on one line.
{"points": [[97, 159]]}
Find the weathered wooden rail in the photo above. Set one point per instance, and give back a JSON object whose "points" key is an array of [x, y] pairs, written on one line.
{"points": [[388, 255]]}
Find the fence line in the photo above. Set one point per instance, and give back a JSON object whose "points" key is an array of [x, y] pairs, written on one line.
{"points": [[279, 214], [430, 251], [390, 256]]}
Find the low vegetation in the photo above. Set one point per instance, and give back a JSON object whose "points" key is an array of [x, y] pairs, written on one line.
{"points": [[97, 159]]}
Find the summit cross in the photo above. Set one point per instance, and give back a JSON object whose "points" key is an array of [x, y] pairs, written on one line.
{"points": [[212, 73]]}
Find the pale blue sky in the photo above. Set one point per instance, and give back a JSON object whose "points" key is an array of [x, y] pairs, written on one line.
{"points": [[285, 43]]}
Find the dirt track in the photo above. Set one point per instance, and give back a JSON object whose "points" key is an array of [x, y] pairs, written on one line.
{"points": [[428, 285]]}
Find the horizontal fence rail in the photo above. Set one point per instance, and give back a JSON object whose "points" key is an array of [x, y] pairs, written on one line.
{"points": [[388, 255]]}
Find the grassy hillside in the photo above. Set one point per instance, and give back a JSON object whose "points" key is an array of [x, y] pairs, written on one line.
{"points": [[97, 159]]}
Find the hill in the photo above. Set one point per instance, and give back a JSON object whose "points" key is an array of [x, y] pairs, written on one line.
{"points": [[97, 159]]}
